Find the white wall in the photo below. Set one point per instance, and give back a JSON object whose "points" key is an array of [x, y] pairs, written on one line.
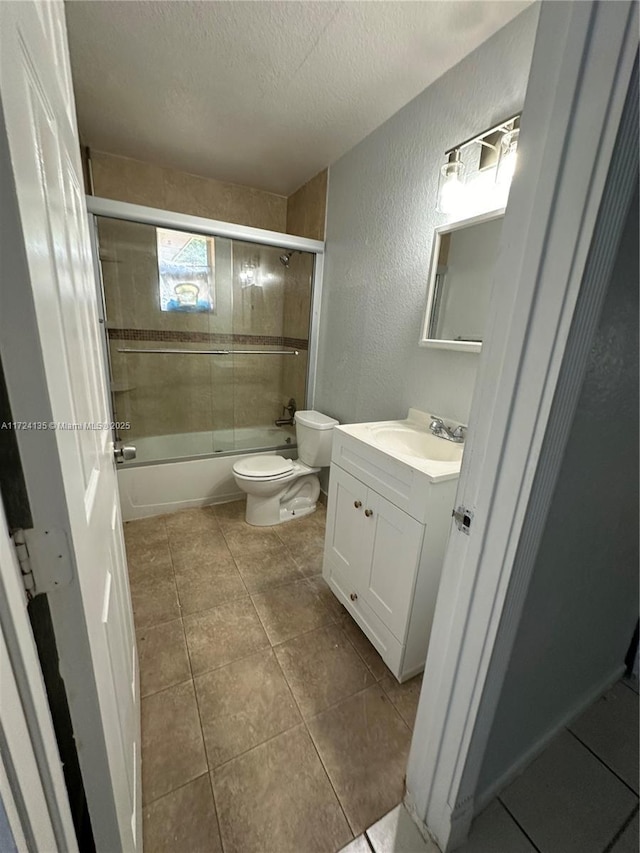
{"points": [[582, 603], [380, 219]]}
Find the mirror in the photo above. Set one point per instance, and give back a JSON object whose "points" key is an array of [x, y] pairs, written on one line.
{"points": [[460, 279]]}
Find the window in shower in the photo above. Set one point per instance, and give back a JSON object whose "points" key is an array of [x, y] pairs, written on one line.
{"points": [[185, 271]]}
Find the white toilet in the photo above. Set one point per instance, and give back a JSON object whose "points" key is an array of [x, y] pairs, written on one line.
{"points": [[280, 489]]}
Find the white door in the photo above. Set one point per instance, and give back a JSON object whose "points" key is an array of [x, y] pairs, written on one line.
{"points": [[394, 563], [53, 361]]}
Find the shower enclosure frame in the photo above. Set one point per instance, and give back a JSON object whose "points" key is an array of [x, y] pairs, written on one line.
{"points": [[113, 209]]}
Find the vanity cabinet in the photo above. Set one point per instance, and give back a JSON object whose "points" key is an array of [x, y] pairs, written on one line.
{"points": [[387, 527]]}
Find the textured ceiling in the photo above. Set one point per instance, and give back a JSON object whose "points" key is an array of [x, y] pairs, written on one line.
{"points": [[263, 93]]}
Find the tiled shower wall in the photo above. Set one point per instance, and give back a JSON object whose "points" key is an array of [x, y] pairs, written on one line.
{"points": [[138, 182], [167, 394]]}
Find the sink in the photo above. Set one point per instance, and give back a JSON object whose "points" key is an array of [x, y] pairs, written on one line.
{"points": [[411, 440]]}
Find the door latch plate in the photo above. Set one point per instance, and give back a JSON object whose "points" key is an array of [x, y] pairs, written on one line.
{"points": [[463, 518]]}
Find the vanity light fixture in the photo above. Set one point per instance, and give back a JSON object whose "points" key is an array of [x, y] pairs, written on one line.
{"points": [[508, 153], [477, 173], [451, 183]]}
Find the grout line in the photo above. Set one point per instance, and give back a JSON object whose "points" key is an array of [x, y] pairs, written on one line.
{"points": [[622, 829], [173, 790], [244, 752], [168, 687], [204, 742], [368, 841], [308, 731], [603, 762], [519, 825]]}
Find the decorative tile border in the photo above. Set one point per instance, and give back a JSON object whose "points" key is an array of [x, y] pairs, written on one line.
{"points": [[173, 336]]}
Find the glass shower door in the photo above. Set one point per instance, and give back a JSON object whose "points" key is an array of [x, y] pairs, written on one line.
{"points": [[207, 339]]}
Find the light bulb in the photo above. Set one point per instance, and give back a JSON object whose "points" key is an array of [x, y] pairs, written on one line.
{"points": [[508, 157], [451, 189]]}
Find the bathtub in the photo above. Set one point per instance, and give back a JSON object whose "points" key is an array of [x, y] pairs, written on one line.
{"points": [[195, 468]]}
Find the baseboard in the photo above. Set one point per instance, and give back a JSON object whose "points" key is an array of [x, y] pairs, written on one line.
{"points": [[410, 806], [483, 799]]}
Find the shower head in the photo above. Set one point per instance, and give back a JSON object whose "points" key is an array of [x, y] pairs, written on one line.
{"points": [[286, 257]]}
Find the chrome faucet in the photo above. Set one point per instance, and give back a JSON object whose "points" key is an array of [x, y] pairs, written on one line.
{"points": [[291, 408], [439, 428]]}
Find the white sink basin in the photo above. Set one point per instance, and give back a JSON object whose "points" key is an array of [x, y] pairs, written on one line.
{"points": [[411, 442]]}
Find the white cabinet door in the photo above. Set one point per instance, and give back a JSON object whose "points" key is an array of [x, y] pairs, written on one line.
{"points": [[348, 543], [53, 359], [396, 547]]}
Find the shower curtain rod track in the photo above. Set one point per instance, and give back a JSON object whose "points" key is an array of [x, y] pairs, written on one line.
{"points": [[210, 351]]}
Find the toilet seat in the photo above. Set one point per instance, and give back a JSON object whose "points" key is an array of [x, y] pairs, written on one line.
{"points": [[264, 467]]}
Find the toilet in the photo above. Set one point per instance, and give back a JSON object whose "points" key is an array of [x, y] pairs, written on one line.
{"points": [[280, 489]]}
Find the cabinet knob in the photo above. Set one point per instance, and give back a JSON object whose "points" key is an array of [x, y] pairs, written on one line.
{"points": [[353, 596], [368, 513], [357, 504]]}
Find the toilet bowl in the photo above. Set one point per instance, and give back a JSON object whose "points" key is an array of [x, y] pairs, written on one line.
{"points": [[280, 489]]}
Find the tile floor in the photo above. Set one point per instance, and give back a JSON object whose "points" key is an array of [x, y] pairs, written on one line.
{"points": [[269, 722], [579, 796]]}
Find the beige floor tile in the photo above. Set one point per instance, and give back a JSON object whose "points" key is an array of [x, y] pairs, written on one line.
{"points": [[309, 557], [319, 585], [145, 561], [364, 745], [277, 799], [205, 584], [364, 648], [172, 746], [191, 521], [405, 696], [145, 532], [162, 657], [270, 568], [243, 538], [291, 610], [232, 511], [298, 532], [184, 821], [322, 667], [242, 705], [223, 634], [154, 597], [198, 547]]}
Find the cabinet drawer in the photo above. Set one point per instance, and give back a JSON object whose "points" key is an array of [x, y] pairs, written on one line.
{"points": [[405, 487], [388, 647]]}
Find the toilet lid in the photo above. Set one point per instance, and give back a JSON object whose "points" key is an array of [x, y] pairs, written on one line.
{"points": [[263, 467]]}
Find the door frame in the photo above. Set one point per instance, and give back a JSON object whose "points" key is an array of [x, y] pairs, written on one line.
{"points": [[114, 209], [534, 356], [32, 786]]}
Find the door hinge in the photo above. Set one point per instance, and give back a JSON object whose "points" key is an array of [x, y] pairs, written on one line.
{"points": [[463, 518], [44, 558]]}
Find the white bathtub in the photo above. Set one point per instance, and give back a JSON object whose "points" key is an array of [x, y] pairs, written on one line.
{"points": [[149, 487]]}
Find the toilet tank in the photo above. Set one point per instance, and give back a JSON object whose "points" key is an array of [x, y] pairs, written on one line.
{"points": [[314, 434]]}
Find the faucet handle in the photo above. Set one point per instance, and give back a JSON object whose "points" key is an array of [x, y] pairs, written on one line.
{"points": [[460, 432], [436, 423]]}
